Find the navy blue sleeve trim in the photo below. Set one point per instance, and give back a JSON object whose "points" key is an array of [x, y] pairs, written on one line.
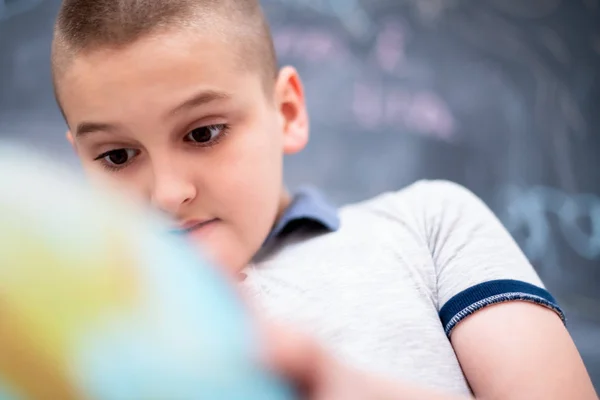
{"points": [[484, 294]]}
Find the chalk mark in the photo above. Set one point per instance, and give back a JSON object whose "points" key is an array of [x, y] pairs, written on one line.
{"points": [[529, 208]]}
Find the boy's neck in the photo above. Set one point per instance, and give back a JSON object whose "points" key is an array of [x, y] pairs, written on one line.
{"points": [[284, 202]]}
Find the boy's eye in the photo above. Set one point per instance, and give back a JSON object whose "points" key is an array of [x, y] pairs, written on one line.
{"points": [[205, 134], [117, 157]]}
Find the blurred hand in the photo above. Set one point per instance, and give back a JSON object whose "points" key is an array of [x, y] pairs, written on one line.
{"points": [[319, 376]]}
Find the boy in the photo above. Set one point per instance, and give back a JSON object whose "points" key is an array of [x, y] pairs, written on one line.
{"points": [[182, 104]]}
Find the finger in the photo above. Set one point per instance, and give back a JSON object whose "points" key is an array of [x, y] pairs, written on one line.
{"points": [[296, 357]]}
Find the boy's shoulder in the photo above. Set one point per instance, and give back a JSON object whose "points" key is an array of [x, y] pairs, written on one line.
{"points": [[423, 192], [419, 207], [422, 201], [400, 221], [421, 198]]}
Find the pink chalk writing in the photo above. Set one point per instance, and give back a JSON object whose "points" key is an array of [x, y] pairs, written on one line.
{"points": [[390, 47], [350, 13], [423, 112], [374, 105], [312, 46], [429, 114], [367, 105]]}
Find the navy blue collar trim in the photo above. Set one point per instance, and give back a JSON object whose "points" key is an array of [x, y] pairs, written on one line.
{"points": [[308, 205]]}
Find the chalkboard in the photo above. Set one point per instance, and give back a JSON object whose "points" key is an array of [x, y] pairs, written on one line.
{"points": [[502, 96]]}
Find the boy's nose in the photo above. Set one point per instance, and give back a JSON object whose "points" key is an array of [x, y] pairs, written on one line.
{"points": [[171, 193]]}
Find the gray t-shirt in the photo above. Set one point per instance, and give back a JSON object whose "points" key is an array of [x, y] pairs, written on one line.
{"points": [[384, 291]]}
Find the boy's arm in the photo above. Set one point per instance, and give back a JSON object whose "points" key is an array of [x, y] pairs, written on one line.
{"points": [[506, 329], [519, 350], [498, 364], [513, 351]]}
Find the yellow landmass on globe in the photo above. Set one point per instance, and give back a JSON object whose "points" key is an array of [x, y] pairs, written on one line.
{"points": [[49, 298]]}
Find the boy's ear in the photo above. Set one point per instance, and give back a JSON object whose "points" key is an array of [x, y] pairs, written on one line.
{"points": [[289, 96], [69, 136], [71, 140]]}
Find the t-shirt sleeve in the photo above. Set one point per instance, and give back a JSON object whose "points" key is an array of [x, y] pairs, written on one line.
{"points": [[477, 262]]}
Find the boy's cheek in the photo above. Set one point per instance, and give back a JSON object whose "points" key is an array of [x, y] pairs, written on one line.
{"points": [[105, 183]]}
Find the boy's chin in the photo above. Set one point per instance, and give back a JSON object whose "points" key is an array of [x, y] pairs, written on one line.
{"points": [[217, 248]]}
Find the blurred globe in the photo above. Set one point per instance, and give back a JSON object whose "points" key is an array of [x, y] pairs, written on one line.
{"points": [[99, 302]]}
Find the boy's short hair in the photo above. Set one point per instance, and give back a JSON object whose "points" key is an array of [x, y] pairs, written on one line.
{"points": [[87, 25]]}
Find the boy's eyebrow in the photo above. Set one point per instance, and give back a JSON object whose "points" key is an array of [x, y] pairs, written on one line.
{"points": [[85, 128], [200, 98], [203, 97]]}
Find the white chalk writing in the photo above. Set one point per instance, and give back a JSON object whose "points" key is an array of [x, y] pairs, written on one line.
{"points": [[532, 208]]}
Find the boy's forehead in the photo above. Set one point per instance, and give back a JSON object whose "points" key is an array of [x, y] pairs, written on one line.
{"points": [[170, 54], [159, 67]]}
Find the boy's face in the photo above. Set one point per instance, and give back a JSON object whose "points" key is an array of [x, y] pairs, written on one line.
{"points": [[175, 120]]}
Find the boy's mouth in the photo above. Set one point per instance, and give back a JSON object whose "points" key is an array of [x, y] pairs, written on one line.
{"points": [[194, 226]]}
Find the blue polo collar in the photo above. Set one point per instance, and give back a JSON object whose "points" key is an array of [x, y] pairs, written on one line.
{"points": [[308, 206]]}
